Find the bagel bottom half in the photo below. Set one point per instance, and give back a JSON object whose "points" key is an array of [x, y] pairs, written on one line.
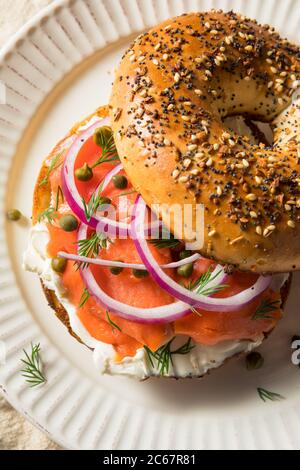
{"points": [[41, 201]]}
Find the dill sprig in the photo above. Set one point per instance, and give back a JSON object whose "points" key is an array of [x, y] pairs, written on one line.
{"points": [[200, 285], [265, 309], [109, 153], [163, 357], [49, 215], [165, 242], [267, 395], [84, 298], [33, 367], [55, 163], [113, 325], [90, 247], [96, 200]]}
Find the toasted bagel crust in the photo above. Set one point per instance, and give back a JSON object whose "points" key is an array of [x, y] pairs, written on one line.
{"points": [[172, 90]]}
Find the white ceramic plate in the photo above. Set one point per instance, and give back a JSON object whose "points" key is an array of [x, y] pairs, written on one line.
{"points": [[57, 70]]}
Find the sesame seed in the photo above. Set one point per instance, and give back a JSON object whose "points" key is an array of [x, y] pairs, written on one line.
{"points": [[258, 179], [208, 73], [200, 155], [219, 191], [270, 84], [167, 142], [228, 39], [251, 197], [266, 233], [249, 48], [198, 92], [231, 142], [195, 172], [207, 25], [245, 163], [212, 233], [175, 174], [183, 179], [185, 118], [158, 46], [165, 57], [271, 228], [273, 69], [269, 61], [177, 77], [258, 230], [242, 35], [187, 162], [192, 147], [214, 32], [253, 214], [209, 162], [171, 107], [216, 146], [288, 207], [280, 101], [291, 224], [272, 159], [141, 58], [155, 61], [132, 58]]}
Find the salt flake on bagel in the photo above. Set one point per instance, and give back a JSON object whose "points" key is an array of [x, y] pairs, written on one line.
{"points": [[173, 89]]}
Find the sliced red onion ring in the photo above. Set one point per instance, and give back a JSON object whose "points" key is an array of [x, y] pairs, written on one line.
{"points": [[163, 314], [226, 304], [111, 227], [119, 264]]}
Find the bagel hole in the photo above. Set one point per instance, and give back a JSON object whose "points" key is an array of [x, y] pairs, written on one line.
{"points": [[258, 132]]}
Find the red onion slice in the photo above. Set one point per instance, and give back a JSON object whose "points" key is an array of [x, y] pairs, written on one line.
{"points": [[226, 304], [163, 314], [119, 264], [73, 198]]}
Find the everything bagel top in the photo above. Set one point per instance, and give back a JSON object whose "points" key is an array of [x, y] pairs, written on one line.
{"points": [[173, 89]]}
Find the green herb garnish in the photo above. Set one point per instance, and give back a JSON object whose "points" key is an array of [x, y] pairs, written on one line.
{"points": [[200, 285], [55, 163], [96, 200], [105, 139], [163, 357], [267, 395], [112, 324], [33, 367], [49, 214], [84, 298], [265, 309], [170, 242], [90, 247]]}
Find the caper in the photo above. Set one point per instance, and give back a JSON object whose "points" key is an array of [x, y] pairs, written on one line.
{"points": [[115, 270], [254, 361], [185, 254], [139, 273], [186, 270], [68, 223], [13, 215], [85, 173], [101, 135], [58, 265], [105, 201], [120, 181]]}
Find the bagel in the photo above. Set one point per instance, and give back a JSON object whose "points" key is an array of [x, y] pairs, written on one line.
{"points": [[43, 195], [173, 89]]}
